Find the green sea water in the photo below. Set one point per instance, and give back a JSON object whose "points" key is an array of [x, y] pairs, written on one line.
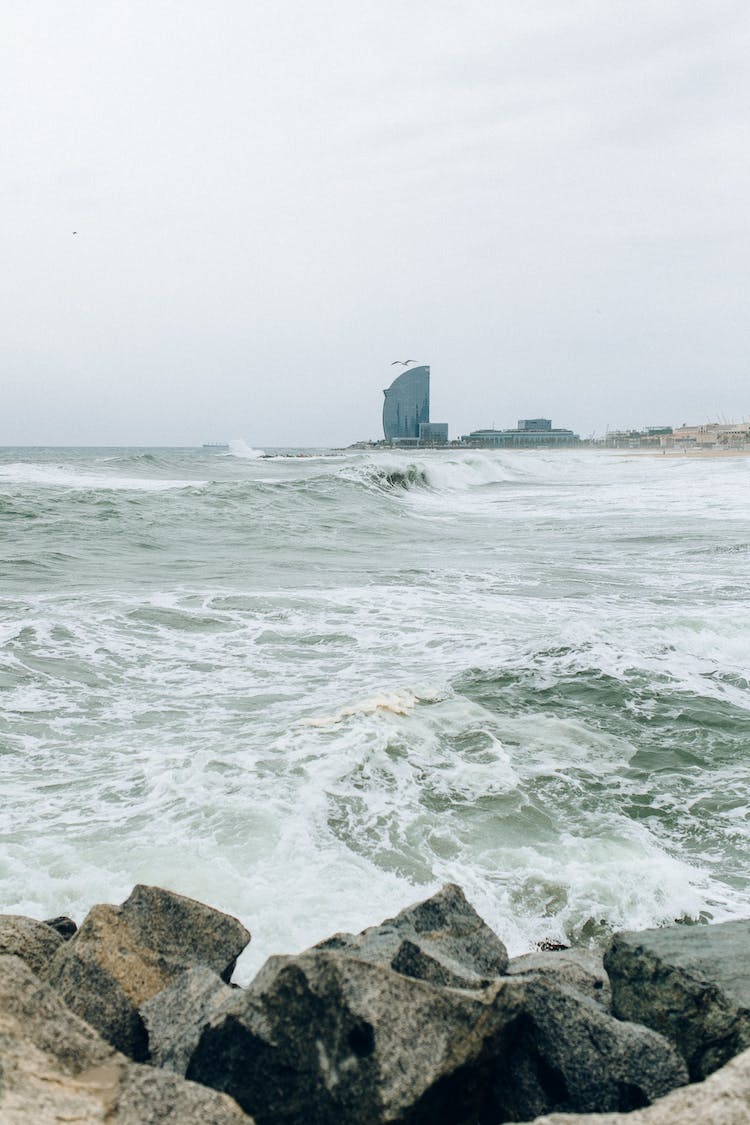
{"points": [[310, 689]]}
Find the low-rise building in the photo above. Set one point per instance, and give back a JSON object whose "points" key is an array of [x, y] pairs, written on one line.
{"points": [[433, 433], [651, 437], [531, 433], [712, 435]]}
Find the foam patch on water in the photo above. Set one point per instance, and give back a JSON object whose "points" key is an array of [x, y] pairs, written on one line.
{"points": [[60, 476], [311, 699], [395, 702]]}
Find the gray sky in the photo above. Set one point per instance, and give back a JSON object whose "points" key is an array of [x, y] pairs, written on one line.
{"points": [[546, 200]]}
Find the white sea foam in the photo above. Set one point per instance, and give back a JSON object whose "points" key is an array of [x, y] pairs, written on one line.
{"points": [[311, 704], [62, 476], [397, 702]]}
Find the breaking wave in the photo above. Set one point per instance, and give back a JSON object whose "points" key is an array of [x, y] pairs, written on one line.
{"points": [[526, 673], [406, 478], [245, 452]]}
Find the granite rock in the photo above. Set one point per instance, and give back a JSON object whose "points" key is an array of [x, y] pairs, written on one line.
{"points": [[63, 925], [176, 1017], [331, 1039], [34, 942], [722, 1099], [56, 1068], [123, 955], [567, 1054], [579, 969], [442, 940], [691, 983], [326, 1037]]}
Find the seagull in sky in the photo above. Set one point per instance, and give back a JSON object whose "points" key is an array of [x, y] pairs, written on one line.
{"points": [[402, 362]]}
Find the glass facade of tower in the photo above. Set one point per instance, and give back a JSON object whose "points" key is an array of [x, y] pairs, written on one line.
{"points": [[407, 404]]}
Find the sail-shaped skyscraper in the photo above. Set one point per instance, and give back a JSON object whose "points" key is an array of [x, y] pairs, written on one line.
{"points": [[407, 404]]}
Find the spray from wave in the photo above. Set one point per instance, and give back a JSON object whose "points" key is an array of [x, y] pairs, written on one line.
{"points": [[240, 448], [439, 474]]}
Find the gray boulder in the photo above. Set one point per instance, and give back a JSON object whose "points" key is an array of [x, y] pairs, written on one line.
{"points": [[147, 1096], [691, 983], [570, 1055], [34, 942], [579, 969], [723, 1099], [327, 1038], [56, 1068], [442, 940], [123, 955], [64, 926], [175, 1017]]}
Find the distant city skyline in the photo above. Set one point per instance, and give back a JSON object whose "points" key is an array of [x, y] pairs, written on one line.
{"points": [[231, 226]]}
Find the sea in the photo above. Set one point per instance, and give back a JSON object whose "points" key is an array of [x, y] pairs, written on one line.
{"points": [[310, 687]]}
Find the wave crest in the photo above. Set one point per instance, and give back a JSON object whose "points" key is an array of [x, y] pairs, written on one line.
{"points": [[406, 478]]}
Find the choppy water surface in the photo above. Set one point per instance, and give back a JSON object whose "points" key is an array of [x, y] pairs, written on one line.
{"points": [[308, 690]]}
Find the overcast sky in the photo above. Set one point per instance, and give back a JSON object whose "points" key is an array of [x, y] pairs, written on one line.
{"points": [[546, 200]]}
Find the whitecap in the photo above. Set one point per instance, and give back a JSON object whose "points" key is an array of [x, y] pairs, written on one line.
{"points": [[240, 448], [62, 476]]}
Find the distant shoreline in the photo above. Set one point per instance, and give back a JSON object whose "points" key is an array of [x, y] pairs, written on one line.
{"points": [[680, 453], [673, 453]]}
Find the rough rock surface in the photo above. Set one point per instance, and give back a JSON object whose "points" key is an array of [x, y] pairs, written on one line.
{"points": [[56, 1068], [579, 969], [64, 926], [327, 1037], [122, 955], [723, 1099], [147, 1095], [568, 1054], [442, 940], [175, 1017], [331, 1039], [691, 983], [34, 942]]}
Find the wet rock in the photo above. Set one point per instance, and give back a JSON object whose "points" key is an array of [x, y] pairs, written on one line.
{"points": [[175, 1017], [579, 969], [32, 941], [442, 940], [56, 1068], [64, 926], [123, 955], [723, 1099], [326, 1037], [691, 983]]}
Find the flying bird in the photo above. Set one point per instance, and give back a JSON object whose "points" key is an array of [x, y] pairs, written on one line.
{"points": [[402, 362]]}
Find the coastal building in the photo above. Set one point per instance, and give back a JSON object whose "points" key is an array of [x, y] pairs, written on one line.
{"points": [[651, 437], [407, 404], [406, 410], [530, 433], [433, 433], [712, 435]]}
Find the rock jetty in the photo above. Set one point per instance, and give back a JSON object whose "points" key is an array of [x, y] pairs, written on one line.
{"points": [[421, 1020]]}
